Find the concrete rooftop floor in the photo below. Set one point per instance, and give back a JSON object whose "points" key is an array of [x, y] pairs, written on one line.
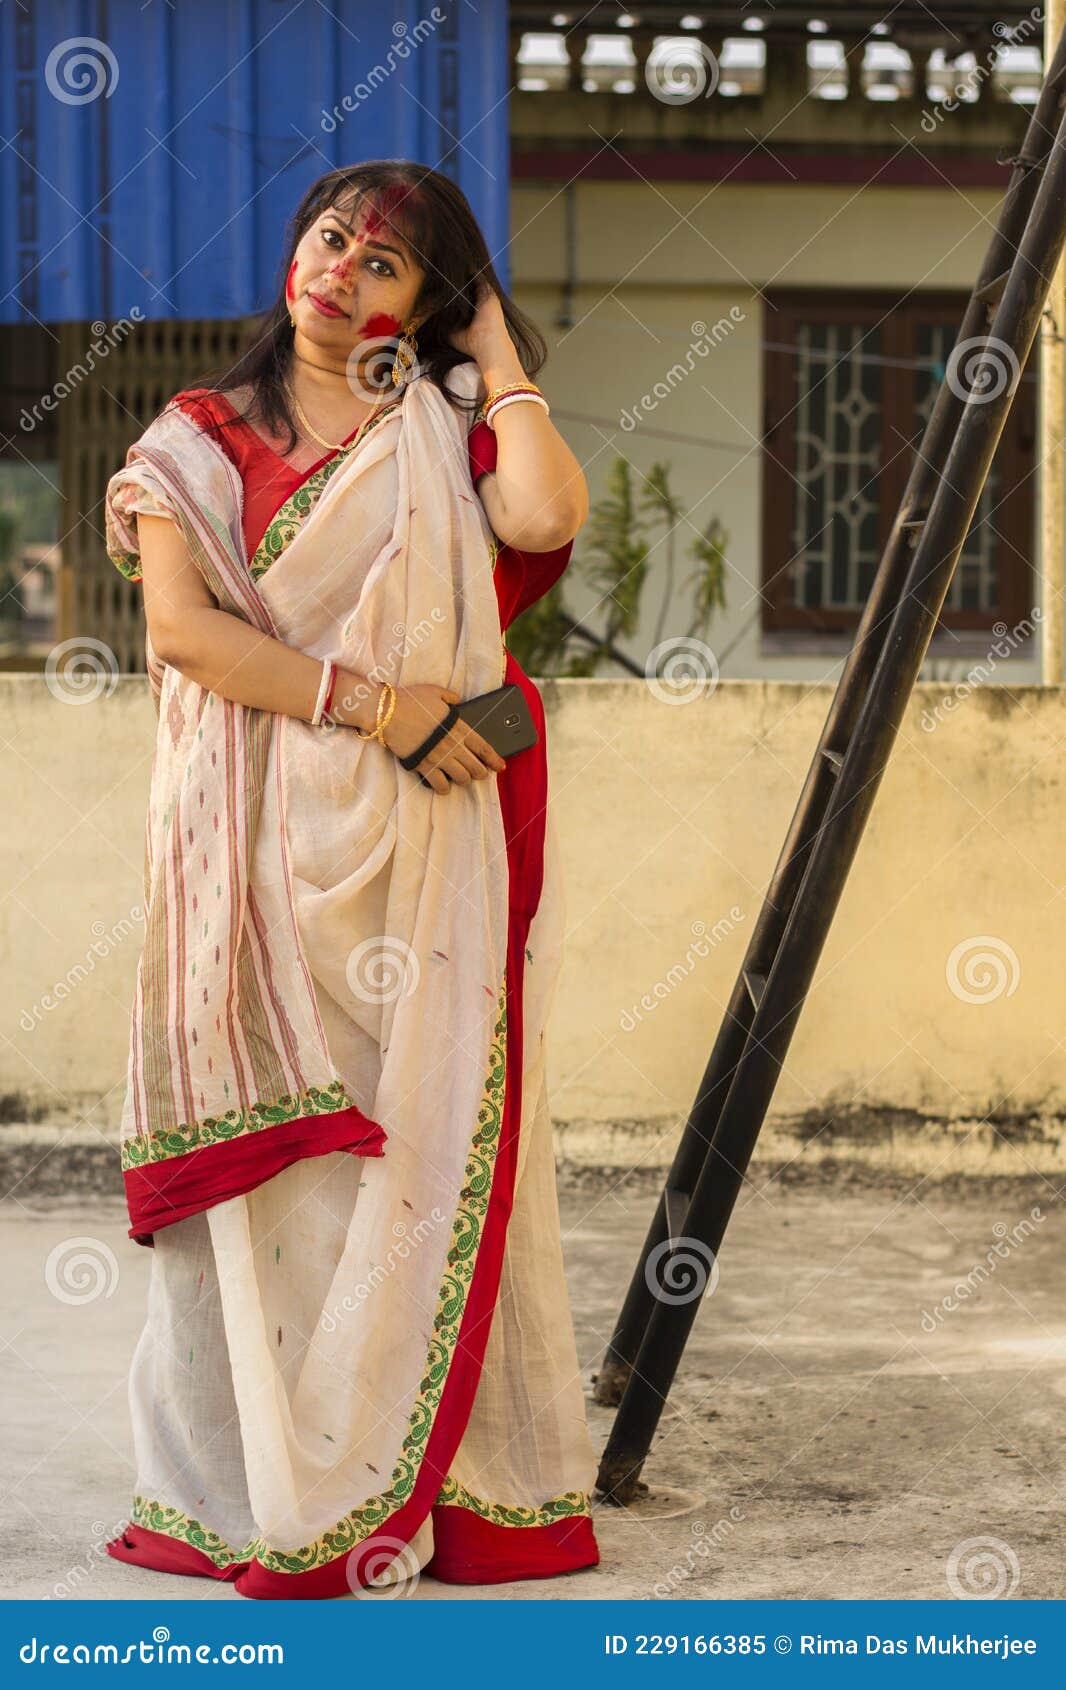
{"points": [[820, 1440]]}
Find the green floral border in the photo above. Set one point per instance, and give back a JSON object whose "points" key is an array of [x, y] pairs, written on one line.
{"points": [[157, 1517], [563, 1507], [467, 1229], [127, 564], [165, 1142]]}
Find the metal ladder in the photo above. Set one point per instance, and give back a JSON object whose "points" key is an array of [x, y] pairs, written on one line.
{"points": [[938, 504]]}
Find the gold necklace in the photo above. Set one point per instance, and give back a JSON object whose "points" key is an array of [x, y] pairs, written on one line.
{"points": [[328, 444]]}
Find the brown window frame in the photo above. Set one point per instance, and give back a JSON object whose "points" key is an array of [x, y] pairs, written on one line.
{"points": [[897, 317]]}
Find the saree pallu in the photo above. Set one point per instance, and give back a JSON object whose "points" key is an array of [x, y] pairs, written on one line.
{"points": [[359, 1359]]}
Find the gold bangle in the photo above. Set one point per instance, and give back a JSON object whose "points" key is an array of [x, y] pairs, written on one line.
{"points": [[387, 693], [498, 393], [383, 721]]}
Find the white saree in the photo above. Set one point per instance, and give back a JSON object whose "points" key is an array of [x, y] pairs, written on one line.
{"points": [[330, 942]]}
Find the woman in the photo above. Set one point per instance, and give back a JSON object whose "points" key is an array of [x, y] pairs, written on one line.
{"points": [[359, 1359]]}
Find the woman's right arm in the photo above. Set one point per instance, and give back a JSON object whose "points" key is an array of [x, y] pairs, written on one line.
{"points": [[227, 656]]}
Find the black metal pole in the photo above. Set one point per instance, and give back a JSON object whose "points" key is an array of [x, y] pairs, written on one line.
{"points": [[939, 539], [847, 701]]}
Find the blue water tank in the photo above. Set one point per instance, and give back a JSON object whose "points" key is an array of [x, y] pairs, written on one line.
{"points": [[155, 164]]}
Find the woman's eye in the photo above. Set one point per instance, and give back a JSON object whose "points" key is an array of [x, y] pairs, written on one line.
{"points": [[389, 271], [326, 233]]}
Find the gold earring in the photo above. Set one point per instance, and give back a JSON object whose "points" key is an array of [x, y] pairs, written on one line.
{"points": [[404, 361]]}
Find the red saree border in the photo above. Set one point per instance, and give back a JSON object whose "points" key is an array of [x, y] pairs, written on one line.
{"points": [[161, 1193], [143, 1548], [470, 1550]]}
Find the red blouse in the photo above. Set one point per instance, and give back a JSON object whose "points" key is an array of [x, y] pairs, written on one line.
{"points": [[520, 578]]}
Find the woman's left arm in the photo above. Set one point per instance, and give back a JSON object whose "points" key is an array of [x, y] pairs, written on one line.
{"points": [[536, 498]]}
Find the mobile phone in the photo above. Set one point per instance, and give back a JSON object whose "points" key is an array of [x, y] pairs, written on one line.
{"points": [[502, 717]]}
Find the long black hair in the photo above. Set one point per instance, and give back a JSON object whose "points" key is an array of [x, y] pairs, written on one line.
{"points": [[432, 217]]}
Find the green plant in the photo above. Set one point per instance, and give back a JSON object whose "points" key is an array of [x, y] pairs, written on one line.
{"points": [[616, 562]]}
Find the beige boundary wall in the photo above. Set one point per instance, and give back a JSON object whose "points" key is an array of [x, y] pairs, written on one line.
{"points": [[940, 993]]}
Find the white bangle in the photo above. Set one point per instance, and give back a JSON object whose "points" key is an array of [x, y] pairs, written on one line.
{"points": [[321, 699], [513, 399]]}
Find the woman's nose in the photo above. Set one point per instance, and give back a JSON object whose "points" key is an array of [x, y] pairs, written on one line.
{"points": [[342, 271]]}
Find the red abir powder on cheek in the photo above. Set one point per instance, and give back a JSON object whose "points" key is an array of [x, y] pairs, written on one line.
{"points": [[290, 291], [381, 323]]}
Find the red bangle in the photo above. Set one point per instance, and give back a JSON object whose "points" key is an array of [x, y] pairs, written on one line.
{"points": [[329, 690]]}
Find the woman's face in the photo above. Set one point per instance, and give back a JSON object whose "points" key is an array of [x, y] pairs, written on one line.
{"points": [[354, 263]]}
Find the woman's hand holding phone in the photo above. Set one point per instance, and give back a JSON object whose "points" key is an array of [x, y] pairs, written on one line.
{"points": [[461, 756]]}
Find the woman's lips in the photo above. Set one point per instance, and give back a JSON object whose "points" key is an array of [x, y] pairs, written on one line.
{"points": [[324, 305]]}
